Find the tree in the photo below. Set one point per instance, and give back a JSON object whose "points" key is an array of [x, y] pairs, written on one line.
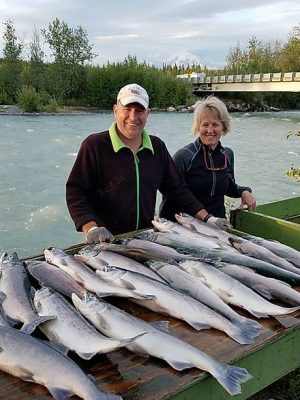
{"points": [[12, 47], [10, 78], [69, 45], [71, 50], [290, 56], [33, 71]]}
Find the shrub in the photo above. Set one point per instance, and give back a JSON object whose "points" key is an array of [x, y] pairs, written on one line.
{"points": [[28, 99]]}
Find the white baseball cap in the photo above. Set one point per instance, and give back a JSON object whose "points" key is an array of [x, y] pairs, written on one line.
{"points": [[133, 93]]}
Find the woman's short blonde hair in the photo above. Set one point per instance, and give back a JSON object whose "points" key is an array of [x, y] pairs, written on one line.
{"points": [[215, 105]]}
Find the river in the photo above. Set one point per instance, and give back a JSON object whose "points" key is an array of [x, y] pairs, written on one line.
{"points": [[37, 153]]}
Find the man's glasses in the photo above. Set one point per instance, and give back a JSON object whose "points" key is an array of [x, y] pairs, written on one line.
{"points": [[217, 168]]}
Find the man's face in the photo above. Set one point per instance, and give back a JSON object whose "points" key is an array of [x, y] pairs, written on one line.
{"points": [[130, 119]]}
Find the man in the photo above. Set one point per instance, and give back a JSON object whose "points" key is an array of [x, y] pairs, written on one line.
{"points": [[113, 184]]}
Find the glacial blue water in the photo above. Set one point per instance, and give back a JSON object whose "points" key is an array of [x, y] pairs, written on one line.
{"points": [[37, 153]]}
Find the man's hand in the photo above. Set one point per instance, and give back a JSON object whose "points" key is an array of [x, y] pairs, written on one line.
{"points": [[98, 234], [248, 201], [221, 223]]}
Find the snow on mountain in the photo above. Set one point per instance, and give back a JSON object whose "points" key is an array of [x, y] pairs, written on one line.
{"points": [[183, 58]]}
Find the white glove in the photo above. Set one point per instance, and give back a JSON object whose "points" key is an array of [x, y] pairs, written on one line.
{"points": [[220, 223], [98, 234]]}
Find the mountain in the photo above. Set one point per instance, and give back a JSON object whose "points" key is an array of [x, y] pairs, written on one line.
{"points": [[183, 58]]}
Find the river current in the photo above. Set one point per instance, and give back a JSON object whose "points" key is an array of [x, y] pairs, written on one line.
{"points": [[38, 151]]}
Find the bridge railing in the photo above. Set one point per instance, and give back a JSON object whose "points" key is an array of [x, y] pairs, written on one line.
{"points": [[200, 78]]}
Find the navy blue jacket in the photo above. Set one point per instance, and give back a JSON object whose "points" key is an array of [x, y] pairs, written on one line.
{"points": [[209, 187]]}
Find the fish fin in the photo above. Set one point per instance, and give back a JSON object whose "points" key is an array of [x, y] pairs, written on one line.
{"points": [[198, 325], [231, 377], [179, 365], [60, 394], [12, 321], [86, 356], [161, 325], [29, 327], [32, 292], [104, 294], [2, 297], [102, 322], [127, 284], [263, 292], [120, 282], [92, 378], [257, 314], [141, 296], [23, 373]]}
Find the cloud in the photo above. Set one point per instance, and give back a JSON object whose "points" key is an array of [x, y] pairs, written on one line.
{"points": [[117, 37], [153, 31]]}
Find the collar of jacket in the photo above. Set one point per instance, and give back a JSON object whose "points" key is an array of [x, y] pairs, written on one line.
{"points": [[117, 143], [199, 144]]}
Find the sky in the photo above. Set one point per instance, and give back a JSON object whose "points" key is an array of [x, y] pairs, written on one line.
{"points": [[156, 31]]}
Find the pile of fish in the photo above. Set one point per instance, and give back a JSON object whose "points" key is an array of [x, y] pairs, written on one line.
{"points": [[185, 270]]}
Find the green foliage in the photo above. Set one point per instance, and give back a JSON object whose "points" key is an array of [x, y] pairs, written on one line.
{"points": [[266, 57], [71, 80], [12, 47], [69, 45], [293, 172], [28, 99], [10, 74], [4, 99], [103, 84], [51, 107], [289, 59]]}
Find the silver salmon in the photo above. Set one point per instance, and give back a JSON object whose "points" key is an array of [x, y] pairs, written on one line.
{"points": [[69, 328], [97, 259], [178, 354], [50, 275], [86, 277], [15, 286], [25, 357], [182, 280], [169, 301], [232, 291]]}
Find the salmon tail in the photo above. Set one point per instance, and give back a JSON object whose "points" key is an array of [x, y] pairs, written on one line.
{"points": [[231, 377]]}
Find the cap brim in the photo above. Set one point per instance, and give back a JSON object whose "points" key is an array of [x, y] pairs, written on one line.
{"points": [[134, 99]]}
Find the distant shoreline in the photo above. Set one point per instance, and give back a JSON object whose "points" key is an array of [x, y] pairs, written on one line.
{"points": [[238, 106]]}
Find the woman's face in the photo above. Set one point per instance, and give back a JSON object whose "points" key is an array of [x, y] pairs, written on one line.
{"points": [[211, 129]]}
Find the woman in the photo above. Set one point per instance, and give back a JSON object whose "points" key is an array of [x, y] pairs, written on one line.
{"points": [[208, 167]]}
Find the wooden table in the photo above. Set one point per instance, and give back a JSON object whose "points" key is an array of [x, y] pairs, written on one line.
{"points": [[275, 353]]}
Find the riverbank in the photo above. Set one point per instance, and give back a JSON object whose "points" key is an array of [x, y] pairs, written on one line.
{"points": [[238, 106]]}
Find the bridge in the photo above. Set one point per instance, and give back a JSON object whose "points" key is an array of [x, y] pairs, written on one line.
{"points": [[268, 82]]}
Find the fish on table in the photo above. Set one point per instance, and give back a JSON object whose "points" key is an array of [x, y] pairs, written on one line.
{"points": [[97, 259], [262, 253], [157, 342], [280, 249], [69, 328], [15, 290], [51, 276], [185, 282], [260, 266], [168, 301], [270, 288], [33, 360], [232, 291], [86, 277], [165, 226], [154, 251]]}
